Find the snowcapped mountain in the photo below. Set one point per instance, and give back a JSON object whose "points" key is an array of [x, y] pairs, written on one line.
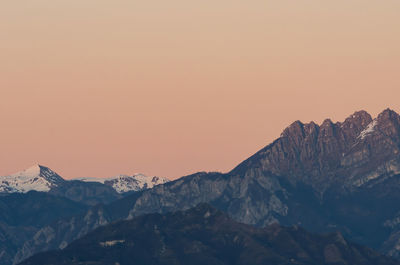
{"points": [[125, 183], [37, 177], [41, 178]]}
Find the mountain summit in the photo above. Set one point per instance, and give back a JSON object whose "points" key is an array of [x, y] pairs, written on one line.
{"points": [[41, 178], [126, 183], [346, 154], [36, 177]]}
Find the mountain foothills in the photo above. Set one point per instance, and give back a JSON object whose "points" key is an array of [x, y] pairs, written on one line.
{"points": [[204, 235], [342, 176], [22, 215]]}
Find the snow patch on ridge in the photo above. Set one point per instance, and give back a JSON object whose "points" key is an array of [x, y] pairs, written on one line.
{"points": [[368, 130], [126, 183]]}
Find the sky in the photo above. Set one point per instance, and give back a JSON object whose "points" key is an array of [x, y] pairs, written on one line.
{"points": [[96, 88]]}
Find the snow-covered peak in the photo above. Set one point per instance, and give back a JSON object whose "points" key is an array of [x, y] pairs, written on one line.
{"points": [[32, 171], [36, 177], [41, 178], [368, 130], [126, 183]]}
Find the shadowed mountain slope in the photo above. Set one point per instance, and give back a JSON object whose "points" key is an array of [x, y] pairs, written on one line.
{"points": [[204, 235], [23, 215]]}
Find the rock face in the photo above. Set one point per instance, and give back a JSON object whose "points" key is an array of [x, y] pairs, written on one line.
{"points": [[346, 154], [204, 235], [335, 176]]}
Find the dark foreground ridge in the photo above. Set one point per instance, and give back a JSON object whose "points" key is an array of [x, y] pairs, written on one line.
{"points": [[204, 235]]}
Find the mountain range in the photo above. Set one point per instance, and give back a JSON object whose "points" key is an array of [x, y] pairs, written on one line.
{"points": [[204, 235], [87, 190], [38, 196], [329, 177], [125, 183]]}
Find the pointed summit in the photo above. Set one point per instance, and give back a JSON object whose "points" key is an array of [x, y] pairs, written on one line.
{"points": [[388, 122], [326, 123], [36, 177], [294, 128], [31, 171], [388, 114], [358, 120]]}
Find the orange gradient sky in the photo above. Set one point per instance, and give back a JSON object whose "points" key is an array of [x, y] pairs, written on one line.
{"points": [[98, 88]]}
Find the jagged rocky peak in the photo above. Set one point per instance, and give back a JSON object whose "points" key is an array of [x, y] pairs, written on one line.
{"points": [[358, 120], [298, 133], [327, 128], [351, 127], [356, 126], [311, 128], [388, 114], [327, 123], [388, 122], [296, 128], [335, 150]]}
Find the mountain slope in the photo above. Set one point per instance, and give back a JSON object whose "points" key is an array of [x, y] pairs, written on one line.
{"points": [[37, 177], [346, 155], [90, 193], [328, 177], [23, 214], [203, 235]]}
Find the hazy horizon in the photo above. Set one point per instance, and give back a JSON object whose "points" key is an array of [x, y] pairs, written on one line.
{"points": [[99, 88]]}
